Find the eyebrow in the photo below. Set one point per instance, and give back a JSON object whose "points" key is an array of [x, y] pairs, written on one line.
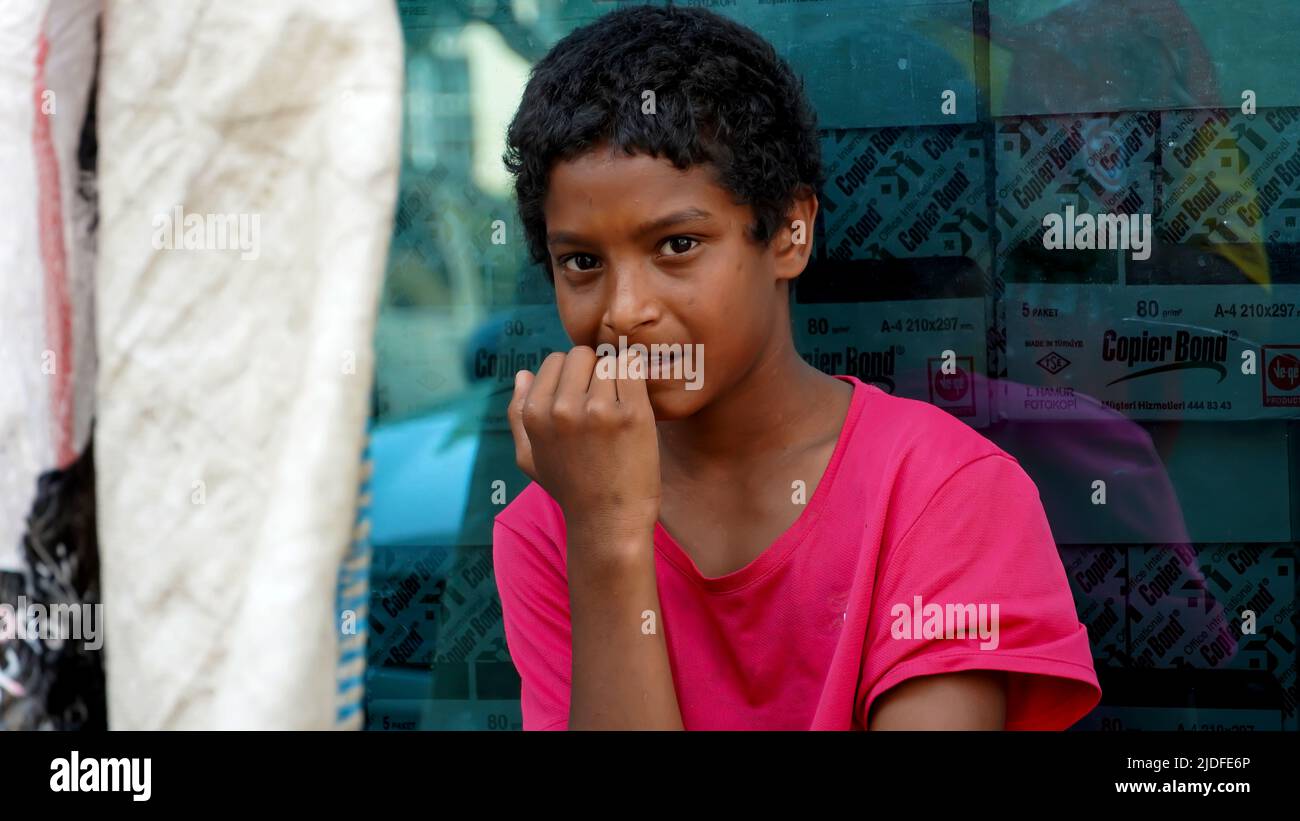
{"points": [[675, 218]]}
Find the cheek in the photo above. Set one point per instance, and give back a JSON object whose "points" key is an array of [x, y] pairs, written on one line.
{"points": [[722, 329], [728, 285], [737, 300], [580, 318]]}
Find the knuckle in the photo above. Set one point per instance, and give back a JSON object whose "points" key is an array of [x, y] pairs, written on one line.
{"points": [[603, 411], [566, 412], [530, 414], [635, 415]]}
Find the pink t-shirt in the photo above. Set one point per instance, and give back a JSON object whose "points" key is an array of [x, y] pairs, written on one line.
{"points": [[923, 550]]}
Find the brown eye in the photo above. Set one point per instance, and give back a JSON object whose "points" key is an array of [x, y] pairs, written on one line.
{"points": [[679, 245], [565, 262]]}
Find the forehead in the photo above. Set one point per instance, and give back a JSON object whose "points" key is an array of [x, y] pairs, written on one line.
{"points": [[607, 180]]}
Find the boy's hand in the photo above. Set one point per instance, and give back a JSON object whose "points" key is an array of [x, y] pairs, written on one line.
{"points": [[590, 442]]}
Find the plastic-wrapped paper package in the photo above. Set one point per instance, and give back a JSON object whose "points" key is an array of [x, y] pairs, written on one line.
{"points": [[249, 159]]}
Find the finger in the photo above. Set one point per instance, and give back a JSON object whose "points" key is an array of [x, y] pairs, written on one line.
{"points": [[633, 380], [575, 376], [604, 386], [541, 394], [515, 413]]}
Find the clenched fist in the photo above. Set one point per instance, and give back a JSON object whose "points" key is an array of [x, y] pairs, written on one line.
{"points": [[590, 441]]}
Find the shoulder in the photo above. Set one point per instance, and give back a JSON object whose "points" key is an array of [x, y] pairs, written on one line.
{"points": [[922, 439], [532, 508], [921, 451], [532, 524]]}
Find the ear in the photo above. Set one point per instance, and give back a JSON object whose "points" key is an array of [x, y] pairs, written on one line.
{"points": [[792, 245]]}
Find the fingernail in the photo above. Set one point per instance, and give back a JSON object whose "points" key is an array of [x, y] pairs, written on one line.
{"points": [[519, 378]]}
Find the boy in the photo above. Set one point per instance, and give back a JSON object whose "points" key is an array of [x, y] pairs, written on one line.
{"points": [[779, 548]]}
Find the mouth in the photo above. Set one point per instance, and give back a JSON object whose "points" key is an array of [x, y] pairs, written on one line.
{"points": [[663, 363], [662, 360]]}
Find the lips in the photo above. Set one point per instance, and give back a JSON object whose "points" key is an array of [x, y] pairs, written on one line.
{"points": [[666, 359], [660, 364]]}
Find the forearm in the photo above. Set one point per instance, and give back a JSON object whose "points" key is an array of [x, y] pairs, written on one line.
{"points": [[621, 676]]}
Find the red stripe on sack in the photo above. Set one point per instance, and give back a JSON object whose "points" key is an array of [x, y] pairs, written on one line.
{"points": [[58, 309]]}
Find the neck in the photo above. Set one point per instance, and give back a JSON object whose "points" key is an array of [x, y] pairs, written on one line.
{"points": [[767, 412]]}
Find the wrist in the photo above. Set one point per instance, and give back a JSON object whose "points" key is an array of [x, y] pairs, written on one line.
{"points": [[621, 523], [610, 547]]}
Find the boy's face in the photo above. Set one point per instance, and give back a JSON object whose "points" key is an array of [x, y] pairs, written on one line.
{"points": [[643, 250]]}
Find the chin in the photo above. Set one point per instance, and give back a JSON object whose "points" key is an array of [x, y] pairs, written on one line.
{"points": [[671, 401]]}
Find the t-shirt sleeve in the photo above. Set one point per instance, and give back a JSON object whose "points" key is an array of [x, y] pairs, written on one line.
{"points": [[535, 612], [976, 583]]}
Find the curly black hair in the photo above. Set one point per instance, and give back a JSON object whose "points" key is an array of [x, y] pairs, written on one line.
{"points": [[722, 96]]}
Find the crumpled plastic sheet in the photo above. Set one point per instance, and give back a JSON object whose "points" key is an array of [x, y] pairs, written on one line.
{"points": [[48, 554], [234, 382]]}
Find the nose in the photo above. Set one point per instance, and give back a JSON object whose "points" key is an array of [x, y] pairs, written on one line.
{"points": [[630, 303]]}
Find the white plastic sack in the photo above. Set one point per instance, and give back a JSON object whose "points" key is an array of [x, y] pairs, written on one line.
{"points": [[234, 381], [47, 358]]}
